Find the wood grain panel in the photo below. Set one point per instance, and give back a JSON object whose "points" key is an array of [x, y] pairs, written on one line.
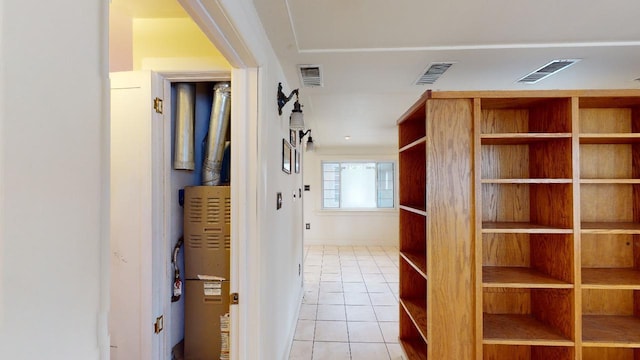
{"points": [[623, 331], [520, 277], [607, 251], [412, 126], [552, 352], [504, 121], [607, 302], [450, 210], [506, 301], [603, 278], [552, 205], [553, 115], [607, 353], [412, 284], [606, 161], [506, 352], [412, 342], [605, 120], [412, 176], [550, 159], [606, 202], [553, 255], [525, 352], [505, 161], [505, 250], [509, 329], [412, 229], [418, 314], [555, 309], [505, 202]]}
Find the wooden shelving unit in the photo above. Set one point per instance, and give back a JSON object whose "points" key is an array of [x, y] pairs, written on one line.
{"points": [[435, 209], [609, 136], [542, 249]]}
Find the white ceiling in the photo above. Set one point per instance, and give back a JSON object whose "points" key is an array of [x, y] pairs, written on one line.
{"points": [[372, 51]]}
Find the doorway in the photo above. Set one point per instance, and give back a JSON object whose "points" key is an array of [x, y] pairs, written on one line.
{"points": [[156, 276]]}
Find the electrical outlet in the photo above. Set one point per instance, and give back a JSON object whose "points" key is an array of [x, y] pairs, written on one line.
{"points": [[307, 226], [299, 269]]}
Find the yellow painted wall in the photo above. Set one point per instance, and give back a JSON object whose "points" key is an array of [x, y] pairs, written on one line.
{"points": [[173, 44]]}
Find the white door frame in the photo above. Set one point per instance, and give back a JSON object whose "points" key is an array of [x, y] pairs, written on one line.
{"points": [[165, 275], [215, 19]]}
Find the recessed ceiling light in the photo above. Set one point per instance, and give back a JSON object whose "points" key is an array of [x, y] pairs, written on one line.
{"points": [[347, 137]]}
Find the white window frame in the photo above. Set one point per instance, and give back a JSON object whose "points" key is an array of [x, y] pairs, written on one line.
{"points": [[372, 209]]}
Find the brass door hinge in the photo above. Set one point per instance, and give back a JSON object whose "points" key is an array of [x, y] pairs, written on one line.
{"points": [[157, 105], [159, 324], [235, 298]]}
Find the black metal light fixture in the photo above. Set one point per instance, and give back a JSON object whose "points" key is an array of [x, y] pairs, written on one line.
{"points": [[296, 120], [310, 145], [283, 99]]}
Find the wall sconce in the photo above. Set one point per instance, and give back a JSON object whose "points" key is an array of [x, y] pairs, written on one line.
{"points": [[310, 145], [296, 120], [283, 99]]}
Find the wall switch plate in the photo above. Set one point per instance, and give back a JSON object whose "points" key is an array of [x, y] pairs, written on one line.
{"points": [[307, 226]]}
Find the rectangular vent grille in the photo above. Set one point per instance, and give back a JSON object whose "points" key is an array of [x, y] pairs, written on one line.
{"points": [[547, 70], [195, 210], [213, 210], [433, 73], [209, 241], [310, 75]]}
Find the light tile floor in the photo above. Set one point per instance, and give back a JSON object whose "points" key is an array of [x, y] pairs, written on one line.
{"points": [[350, 305]]}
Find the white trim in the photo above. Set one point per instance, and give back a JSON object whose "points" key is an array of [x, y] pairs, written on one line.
{"points": [[474, 47], [214, 21], [167, 243], [245, 259], [292, 333]]}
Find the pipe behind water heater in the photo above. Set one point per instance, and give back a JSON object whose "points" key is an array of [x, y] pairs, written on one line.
{"points": [[218, 125], [183, 158]]}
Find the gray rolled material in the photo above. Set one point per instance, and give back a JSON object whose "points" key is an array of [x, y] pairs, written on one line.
{"points": [[183, 158], [218, 125]]}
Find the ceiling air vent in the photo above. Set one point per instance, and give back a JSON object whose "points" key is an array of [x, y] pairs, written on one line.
{"points": [[310, 75], [547, 70], [433, 73]]}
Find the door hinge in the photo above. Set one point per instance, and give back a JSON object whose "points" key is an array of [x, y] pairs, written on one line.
{"points": [[235, 298], [159, 324], [157, 105]]}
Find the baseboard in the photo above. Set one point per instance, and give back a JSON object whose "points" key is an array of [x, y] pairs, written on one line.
{"points": [[295, 324], [350, 242]]}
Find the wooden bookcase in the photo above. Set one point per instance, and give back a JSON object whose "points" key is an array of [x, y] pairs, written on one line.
{"points": [[436, 230], [520, 225]]}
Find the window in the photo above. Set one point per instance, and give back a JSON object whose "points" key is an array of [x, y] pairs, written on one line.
{"points": [[357, 185]]}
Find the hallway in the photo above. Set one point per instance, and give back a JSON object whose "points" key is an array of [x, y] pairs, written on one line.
{"points": [[350, 305]]}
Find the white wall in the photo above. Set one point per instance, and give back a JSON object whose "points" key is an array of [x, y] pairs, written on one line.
{"points": [[54, 170], [275, 286], [271, 243], [331, 227]]}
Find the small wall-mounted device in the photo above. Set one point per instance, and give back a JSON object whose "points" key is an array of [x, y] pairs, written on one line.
{"points": [[278, 201]]}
